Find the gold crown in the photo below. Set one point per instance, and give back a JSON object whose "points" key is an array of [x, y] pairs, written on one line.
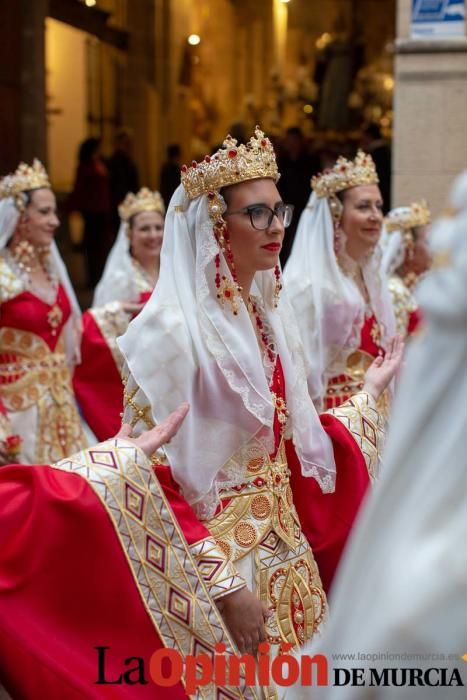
{"points": [[344, 174], [407, 218], [26, 177], [144, 200], [231, 164]]}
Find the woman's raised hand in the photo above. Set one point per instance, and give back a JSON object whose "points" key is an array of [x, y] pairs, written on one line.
{"points": [[383, 369], [161, 434]]}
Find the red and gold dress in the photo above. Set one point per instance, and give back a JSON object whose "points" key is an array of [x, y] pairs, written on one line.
{"points": [[35, 379], [134, 569], [342, 386], [406, 309], [97, 379]]}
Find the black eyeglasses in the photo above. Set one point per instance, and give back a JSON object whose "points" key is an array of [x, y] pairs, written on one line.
{"points": [[261, 216]]}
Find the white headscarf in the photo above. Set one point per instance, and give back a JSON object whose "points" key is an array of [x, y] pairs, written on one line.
{"points": [[405, 571], [184, 346], [329, 308], [118, 279], [9, 216], [393, 246]]}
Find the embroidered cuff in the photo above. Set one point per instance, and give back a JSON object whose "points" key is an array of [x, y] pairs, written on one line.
{"points": [[217, 570], [366, 424]]}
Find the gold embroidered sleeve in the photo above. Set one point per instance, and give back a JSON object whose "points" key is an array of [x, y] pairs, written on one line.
{"points": [[367, 426], [218, 572], [137, 411]]}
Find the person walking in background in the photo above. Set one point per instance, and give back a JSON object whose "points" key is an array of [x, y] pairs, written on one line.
{"points": [[170, 172], [91, 197], [297, 167], [123, 171]]}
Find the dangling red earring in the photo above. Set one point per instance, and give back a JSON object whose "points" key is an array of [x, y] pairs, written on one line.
{"points": [[226, 291], [277, 286]]}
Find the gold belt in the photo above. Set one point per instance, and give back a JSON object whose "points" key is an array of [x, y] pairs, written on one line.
{"points": [[261, 503], [33, 370]]}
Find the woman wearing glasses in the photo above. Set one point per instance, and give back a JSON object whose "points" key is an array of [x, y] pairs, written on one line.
{"points": [[232, 533], [130, 275], [335, 284], [247, 473]]}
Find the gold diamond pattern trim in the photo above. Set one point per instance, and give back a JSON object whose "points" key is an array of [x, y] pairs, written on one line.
{"points": [[218, 572], [171, 588], [367, 425]]}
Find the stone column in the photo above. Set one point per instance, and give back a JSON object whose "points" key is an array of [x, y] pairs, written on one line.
{"points": [[430, 105], [32, 116]]}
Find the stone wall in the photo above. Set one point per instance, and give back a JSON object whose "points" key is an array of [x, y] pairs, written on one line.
{"points": [[430, 135]]}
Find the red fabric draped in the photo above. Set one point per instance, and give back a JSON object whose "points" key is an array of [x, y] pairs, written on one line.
{"points": [[97, 382], [327, 519], [66, 587]]}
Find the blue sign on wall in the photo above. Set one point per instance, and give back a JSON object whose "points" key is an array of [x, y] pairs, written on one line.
{"points": [[438, 18]]}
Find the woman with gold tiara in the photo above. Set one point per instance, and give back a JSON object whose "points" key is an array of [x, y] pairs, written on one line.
{"points": [[40, 322], [406, 257], [252, 457], [130, 275], [334, 280], [229, 536], [406, 543]]}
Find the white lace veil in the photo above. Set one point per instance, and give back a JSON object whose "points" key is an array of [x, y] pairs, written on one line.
{"points": [[9, 216], [392, 244], [329, 308], [406, 543], [118, 279], [184, 346]]}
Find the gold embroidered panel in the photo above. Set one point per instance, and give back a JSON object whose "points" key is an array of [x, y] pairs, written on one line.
{"points": [[218, 572], [367, 426], [260, 521], [263, 501], [34, 376], [165, 572]]}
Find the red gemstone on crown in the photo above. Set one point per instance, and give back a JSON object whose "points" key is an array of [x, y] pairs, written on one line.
{"points": [[184, 168], [194, 164], [211, 195], [264, 143], [207, 159], [232, 153]]}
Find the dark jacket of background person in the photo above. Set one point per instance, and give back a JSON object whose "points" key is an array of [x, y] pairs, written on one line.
{"points": [[297, 166], [170, 173], [123, 171], [92, 198]]}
